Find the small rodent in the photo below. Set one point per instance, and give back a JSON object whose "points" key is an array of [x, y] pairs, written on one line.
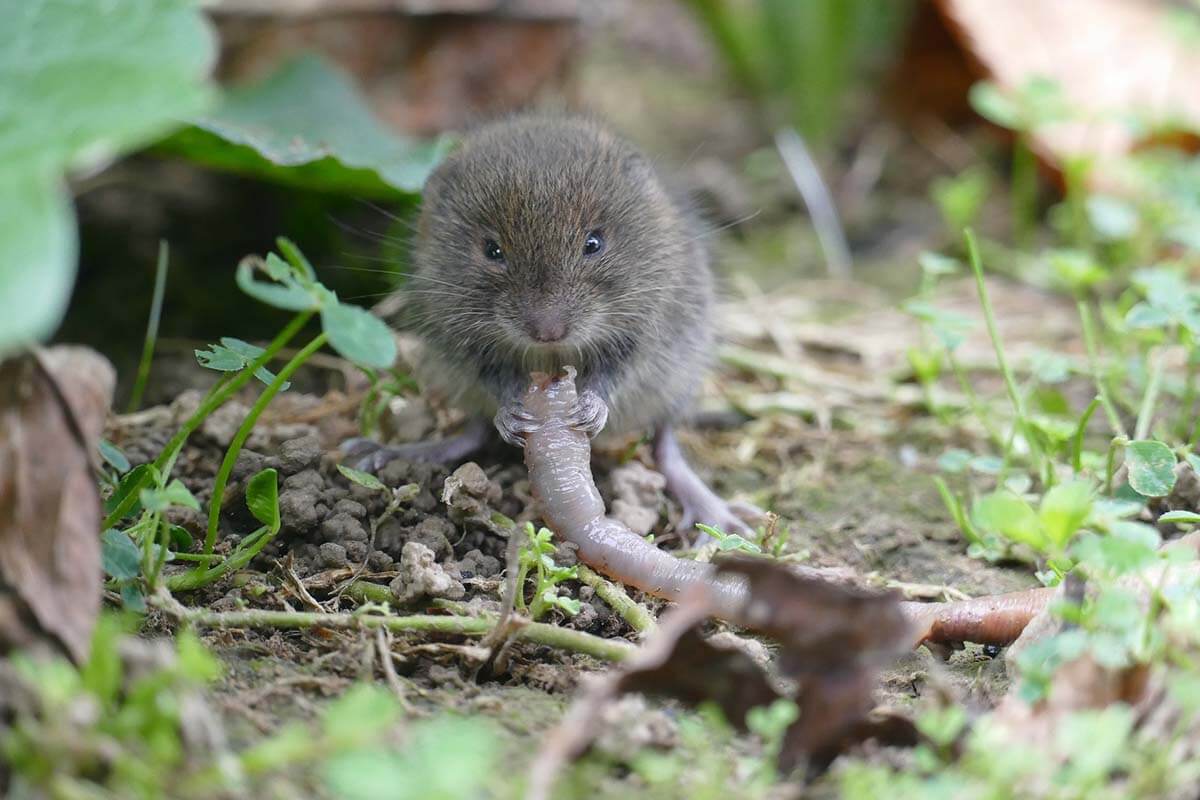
{"points": [[545, 241]]}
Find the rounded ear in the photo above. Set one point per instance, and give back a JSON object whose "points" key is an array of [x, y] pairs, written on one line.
{"points": [[636, 165]]}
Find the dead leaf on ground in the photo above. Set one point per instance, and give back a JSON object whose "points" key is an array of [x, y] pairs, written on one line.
{"points": [[1109, 57], [52, 410], [833, 639]]}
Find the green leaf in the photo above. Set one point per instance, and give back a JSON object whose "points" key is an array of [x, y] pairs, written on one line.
{"points": [[113, 456], [938, 264], [1144, 315], [308, 125], [180, 538], [569, 605], [37, 253], [1194, 462], [285, 293], [175, 494], [1111, 217], [83, 82], [358, 335], [132, 598], [363, 479], [232, 355], [1010, 516], [1151, 467], [1129, 547], [1064, 509], [132, 480], [119, 556], [954, 460], [995, 106], [1180, 517], [447, 758], [734, 541], [262, 498], [360, 715]]}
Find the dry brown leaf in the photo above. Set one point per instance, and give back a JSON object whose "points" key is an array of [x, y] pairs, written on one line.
{"points": [[1110, 58], [833, 639], [52, 410]]}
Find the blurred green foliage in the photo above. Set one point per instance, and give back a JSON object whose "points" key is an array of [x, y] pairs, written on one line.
{"points": [[800, 59]]}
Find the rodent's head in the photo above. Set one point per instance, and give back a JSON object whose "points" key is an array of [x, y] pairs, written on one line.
{"points": [[545, 238]]}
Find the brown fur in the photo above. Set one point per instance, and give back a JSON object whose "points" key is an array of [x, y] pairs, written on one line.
{"points": [[637, 312]]}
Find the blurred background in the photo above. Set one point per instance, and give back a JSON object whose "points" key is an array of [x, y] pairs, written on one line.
{"points": [[822, 138]]}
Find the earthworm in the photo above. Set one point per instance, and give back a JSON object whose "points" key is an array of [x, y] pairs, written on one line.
{"points": [[558, 458]]}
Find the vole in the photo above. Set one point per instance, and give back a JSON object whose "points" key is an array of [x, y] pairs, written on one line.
{"points": [[546, 241]]}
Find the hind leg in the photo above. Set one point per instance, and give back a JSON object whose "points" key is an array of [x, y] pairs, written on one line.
{"points": [[369, 455], [700, 503]]}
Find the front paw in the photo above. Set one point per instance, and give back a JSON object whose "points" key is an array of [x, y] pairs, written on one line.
{"points": [[513, 422], [590, 413]]}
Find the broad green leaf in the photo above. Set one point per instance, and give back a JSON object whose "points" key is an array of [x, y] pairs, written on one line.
{"points": [[175, 494], [1064, 509], [734, 541], [1194, 461], [1130, 546], [447, 758], [1151, 467], [83, 82], [119, 556], [1010, 516], [363, 479], [359, 335], [360, 715], [262, 498], [132, 598], [37, 253], [86, 80], [220, 358], [308, 125], [113, 456]]}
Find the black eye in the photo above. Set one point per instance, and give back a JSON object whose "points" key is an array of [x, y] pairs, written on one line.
{"points": [[593, 244], [492, 251]]}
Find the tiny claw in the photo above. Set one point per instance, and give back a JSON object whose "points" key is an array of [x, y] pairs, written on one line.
{"points": [[513, 422], [590, 413]]}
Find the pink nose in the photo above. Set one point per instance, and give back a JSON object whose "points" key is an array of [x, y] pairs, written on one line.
{"points": [[547, 326]]}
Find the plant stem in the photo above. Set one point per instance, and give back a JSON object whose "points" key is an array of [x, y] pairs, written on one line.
{"points": [[637, 615], [1089, 340], [537, 632], [243, 432], [216, 397], [200, 576], [1150, 398], [1024, 191], [1080, 430], [156, 302], [1010, 382]]}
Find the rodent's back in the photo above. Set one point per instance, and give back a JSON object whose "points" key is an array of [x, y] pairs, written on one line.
{"points": [[508, 277]]}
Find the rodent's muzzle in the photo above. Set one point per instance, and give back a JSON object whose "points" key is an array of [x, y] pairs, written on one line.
{"points": [[546, 325]]}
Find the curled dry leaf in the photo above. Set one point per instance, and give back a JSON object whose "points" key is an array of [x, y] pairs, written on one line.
{"points": [[832, 641], [52, 409], [1108, 57]]}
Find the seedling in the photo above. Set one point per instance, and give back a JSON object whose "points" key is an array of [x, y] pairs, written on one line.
{"points": [[537, 556]]}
